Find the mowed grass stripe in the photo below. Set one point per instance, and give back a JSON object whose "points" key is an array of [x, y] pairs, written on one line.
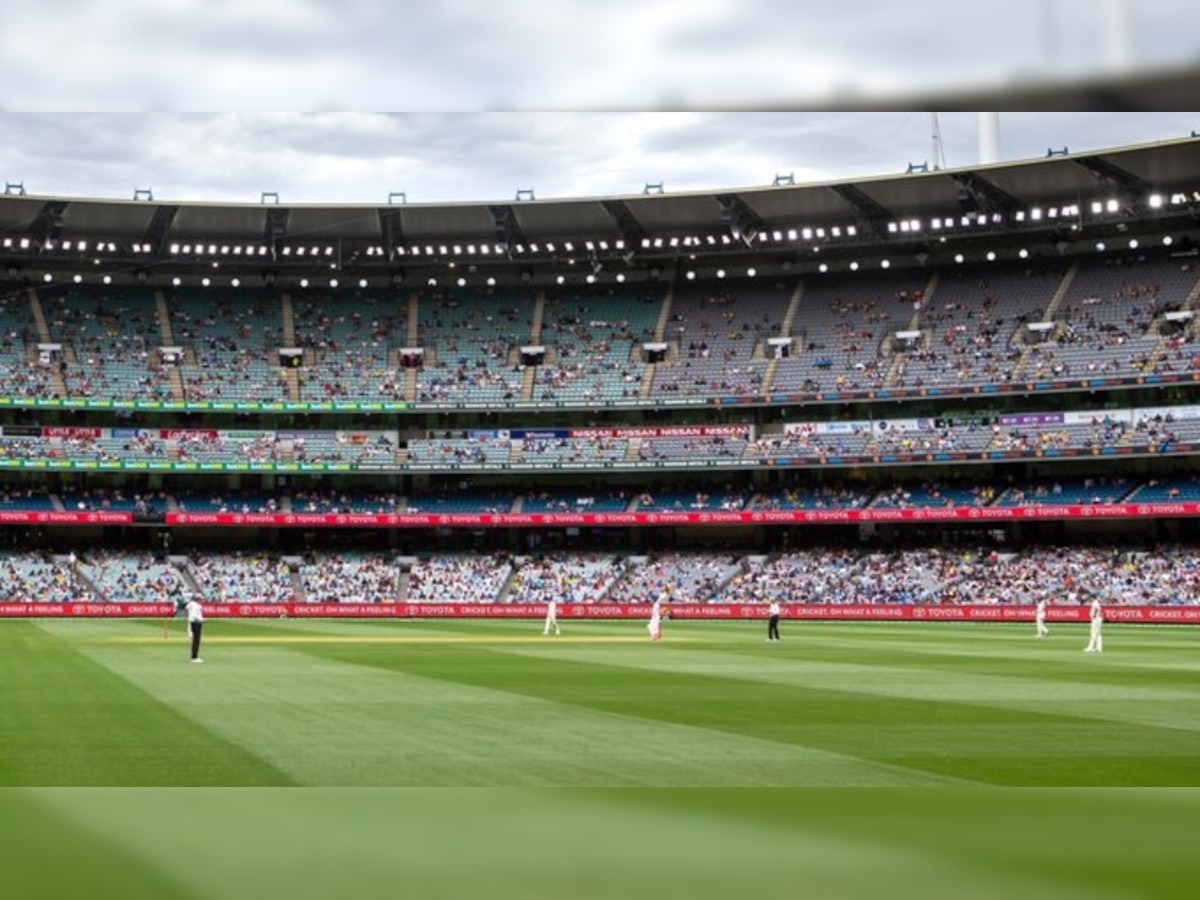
{"points": [[70, 721], [327, 721], [1044, 680], [966, 740]]}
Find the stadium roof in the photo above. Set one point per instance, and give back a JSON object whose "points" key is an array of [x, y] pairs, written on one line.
{"points": [[156, 231]]}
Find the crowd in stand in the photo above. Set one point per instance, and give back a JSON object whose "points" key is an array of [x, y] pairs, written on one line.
{"points": [[463, 578], [240, 577], [33, 578], [123, 577], [694, 578], [1064, 575], [351, 578], [344, 502], [790, 494], [584, 578]]}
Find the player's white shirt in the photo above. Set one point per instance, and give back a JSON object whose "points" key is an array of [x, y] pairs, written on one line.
{"points": [[774, 608], [1097, 611], [655, 616], [195, 612]]}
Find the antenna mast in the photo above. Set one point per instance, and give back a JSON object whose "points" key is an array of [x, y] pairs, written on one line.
{"points": [[938, 154]]}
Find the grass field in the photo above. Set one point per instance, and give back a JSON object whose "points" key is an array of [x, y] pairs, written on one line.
{"points": [[496, 704], [417, 711]]}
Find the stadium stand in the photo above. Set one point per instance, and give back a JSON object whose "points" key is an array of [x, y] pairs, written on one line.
{"points": [[817, 385], [469, 340], [231, 344], [110, 340], [347, 339]]}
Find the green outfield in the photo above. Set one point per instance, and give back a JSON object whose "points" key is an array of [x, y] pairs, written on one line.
{"points": [[390, 725], [438, 703]]}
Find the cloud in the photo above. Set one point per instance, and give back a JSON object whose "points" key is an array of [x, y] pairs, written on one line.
{"points": [[307, 55], [362, 157]]}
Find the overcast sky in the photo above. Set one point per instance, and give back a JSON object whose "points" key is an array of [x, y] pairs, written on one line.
{"points": [[361, 157], [318, 58]]}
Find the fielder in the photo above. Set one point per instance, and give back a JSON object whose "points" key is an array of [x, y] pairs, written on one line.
{"points": [[1039, 617], [551, 617], [1096, 615], [654, 626]]}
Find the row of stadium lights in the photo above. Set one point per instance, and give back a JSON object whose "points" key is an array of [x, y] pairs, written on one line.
{"points": [[906, 226], [591, 278]]}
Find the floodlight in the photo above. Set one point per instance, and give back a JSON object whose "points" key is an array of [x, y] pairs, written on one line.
{"points": [[362, 282], [1168, 240], [303, 282], [561, 279], [1156, 201], [1112, 206], [854, 267], [991, 256], [462, 282], [720, 273], [1101, 246], [1023, 253], [491, 282], [205, 282], [235, 282], [78, 279], [751, 272], [885, 264], [823, 268], [176, 281], [1134, 243], [333, 282], [690, 275], [620, 277], [958, 258], [107, 279]]}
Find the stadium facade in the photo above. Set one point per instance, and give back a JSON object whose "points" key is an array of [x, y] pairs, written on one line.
{"points": [[1001, 359]]}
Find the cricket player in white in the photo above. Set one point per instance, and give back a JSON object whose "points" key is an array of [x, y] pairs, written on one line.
{"points": [[551, 617], [1040, 617], [195, 615], [1096, 615], [773, 611], [654, 626]]}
